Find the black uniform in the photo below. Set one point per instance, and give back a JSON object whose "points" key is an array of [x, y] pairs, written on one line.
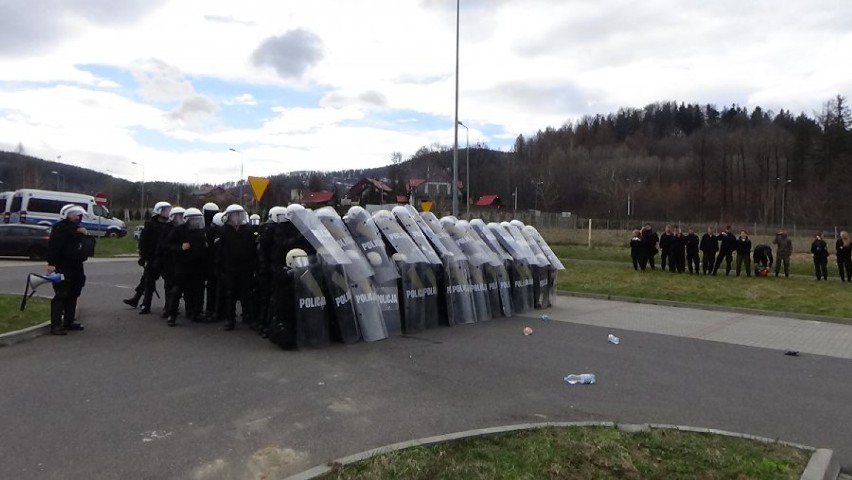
{"points": [[709, 246], [762, 258], [820, 251], [727, 247], [149, 241], [635, 252], [67, 249], [165, 258], [237, 261], [665, 250], [677, 253], [744, 255], [844, 260], [692, 243], [650, 239], [189, 271]]}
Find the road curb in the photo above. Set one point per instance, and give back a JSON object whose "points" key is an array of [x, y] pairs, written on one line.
{"points": [[821, 466], [703, 306], [11, 338]]}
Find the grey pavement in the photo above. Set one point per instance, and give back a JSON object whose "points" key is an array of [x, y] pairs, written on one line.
{"points": [[132, 398]]}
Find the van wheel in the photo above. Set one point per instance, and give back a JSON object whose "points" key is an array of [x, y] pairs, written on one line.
{"points": [[36, 253], [112, 234]]}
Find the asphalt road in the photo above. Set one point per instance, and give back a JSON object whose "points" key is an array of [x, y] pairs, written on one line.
{"points": [[132, 398]]}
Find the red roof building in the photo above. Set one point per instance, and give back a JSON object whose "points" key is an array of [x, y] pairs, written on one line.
{"points": [[318, 199], [489, 201]]}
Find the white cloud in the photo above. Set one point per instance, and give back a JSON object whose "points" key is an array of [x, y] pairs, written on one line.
{"points": [[524, 66]]}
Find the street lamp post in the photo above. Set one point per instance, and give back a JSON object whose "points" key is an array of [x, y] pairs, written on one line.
{"points": [[456, 126], [783, 201], [467, 161], [242, 163], [515, 198], [142, 194], [631, 201], [57, 179], [537, 186]]}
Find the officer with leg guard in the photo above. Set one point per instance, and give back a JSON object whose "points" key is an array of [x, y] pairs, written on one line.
{"points": [[165, 256], [210, 210], [267, 262], [237, 263], [148, 240], [188, 243], [67, 249]]}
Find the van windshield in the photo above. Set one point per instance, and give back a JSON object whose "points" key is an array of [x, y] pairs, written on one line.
{"points": [[101, 211], [16, 204]]}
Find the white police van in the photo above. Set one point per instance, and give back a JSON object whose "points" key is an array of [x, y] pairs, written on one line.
{"points": [[41, 207], [5, 200]]}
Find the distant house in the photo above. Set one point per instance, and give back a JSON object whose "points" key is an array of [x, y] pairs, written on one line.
{"points": [[435, 188], [208, 193], [489, 201], [370, 191], [323, 198]]}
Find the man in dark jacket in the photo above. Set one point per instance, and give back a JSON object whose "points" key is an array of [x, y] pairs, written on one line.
{"points": [[819, 249], [727, 247], [843, 248], [744, 253], [677, 251], [188, 244], [67, 249], [762, 258], [237, 260], [148, 242], [692, 243], [666, 248], [709, 246], [636, 249], [650, 239]]}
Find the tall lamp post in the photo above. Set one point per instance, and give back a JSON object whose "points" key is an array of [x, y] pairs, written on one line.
{"points": [[783, 200], [57, 179], [141, 195], [456, 126], [631, 201], [467, 161], [242, 163]]}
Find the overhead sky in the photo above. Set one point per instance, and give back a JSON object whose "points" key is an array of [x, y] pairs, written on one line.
{"points": [[173, 85]]}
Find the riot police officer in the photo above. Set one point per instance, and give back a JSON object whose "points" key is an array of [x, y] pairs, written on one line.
{"points": [[188, 244], [237, 259], [67, 249], [148, 241]]}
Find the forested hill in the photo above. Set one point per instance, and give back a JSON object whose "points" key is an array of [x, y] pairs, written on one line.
{"points": [[673, 161], [694, 162]]}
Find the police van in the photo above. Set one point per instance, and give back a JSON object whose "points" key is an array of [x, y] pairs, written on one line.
{"points": [[41, 207], [5, 200]]}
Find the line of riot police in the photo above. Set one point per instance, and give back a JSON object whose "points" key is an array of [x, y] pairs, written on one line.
{"points": [[307, 277]]}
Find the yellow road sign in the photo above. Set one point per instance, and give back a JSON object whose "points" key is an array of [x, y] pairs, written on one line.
{"points": [[426, 205], [258, 186]]}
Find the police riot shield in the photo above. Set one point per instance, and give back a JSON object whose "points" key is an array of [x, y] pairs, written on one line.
{"points": [[410, 261], [535, 238], [366, 235], [406, 219], [368, 312], [538, 266], [431, 275], [299, 313], [496, 274], [344, 325], [335, 265], [459, 296], [519, 269], [477, 258], [488, 237]]}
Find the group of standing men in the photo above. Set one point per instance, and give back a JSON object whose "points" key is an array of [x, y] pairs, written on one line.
{"points": [[679, 251], [226, 257]]}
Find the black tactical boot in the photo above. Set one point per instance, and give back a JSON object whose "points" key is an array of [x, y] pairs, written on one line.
{"points": [[133, 301], [172, 322]]}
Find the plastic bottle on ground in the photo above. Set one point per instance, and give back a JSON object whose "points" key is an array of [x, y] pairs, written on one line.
{"points": [[583, 378], [613, 339]]}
